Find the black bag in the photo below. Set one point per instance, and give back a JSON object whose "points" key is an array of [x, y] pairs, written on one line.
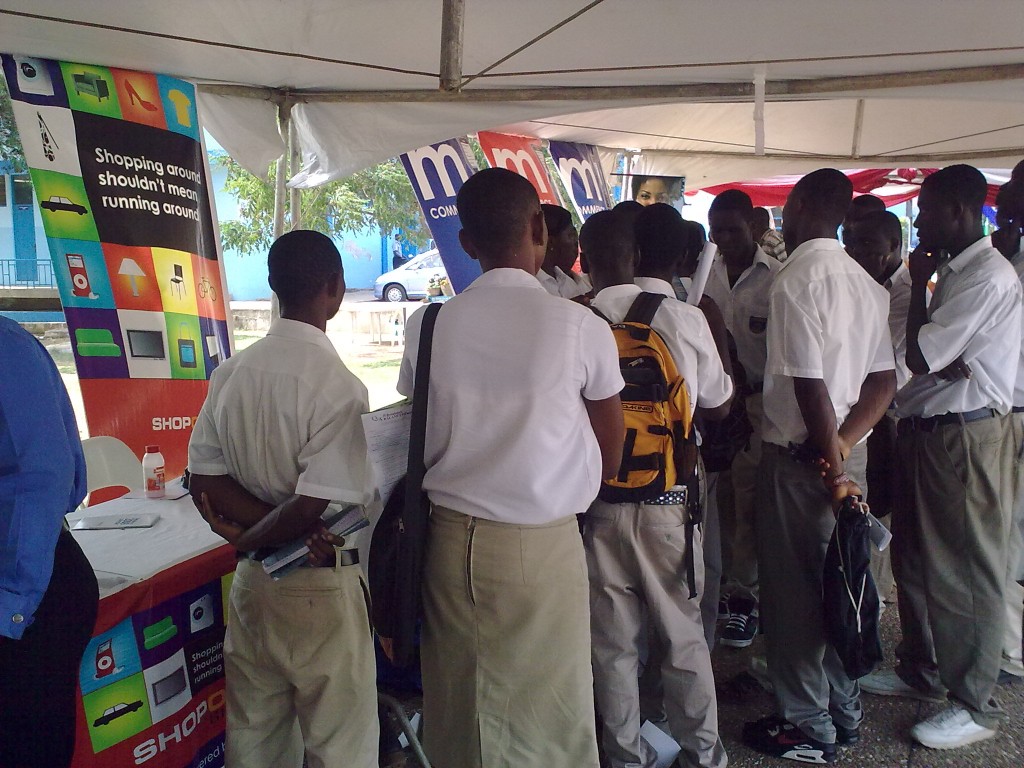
{"points": [[722, 440], [848, 592], [395, 569]]}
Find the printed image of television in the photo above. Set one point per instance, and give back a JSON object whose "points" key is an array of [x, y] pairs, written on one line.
{"points": [[170, 686], [148, 344]]}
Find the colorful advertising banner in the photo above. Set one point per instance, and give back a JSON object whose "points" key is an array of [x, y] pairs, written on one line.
{"points": [[152, 678], [522, 155], [437, 172], [117, 162], [580, 169]]}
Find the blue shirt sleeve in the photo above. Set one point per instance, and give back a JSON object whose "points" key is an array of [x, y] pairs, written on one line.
{"points": [[42, 473]]}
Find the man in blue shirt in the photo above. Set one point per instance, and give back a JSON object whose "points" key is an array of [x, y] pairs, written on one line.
{"points": [[48, 592]]}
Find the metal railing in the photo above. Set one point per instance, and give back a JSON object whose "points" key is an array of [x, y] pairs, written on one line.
{"points": [[26, 273]]}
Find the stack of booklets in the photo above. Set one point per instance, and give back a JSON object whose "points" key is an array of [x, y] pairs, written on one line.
{"points": [[339, 519]]}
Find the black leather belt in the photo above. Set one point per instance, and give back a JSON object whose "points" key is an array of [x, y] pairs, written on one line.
{"points": [[346, 557], [1017, 409], [929, 423]]}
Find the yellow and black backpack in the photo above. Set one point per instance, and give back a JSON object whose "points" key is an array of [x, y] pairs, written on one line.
{"points": [[659, 451]]}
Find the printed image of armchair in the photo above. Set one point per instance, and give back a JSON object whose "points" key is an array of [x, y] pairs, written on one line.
{"points": [[94, 85]]}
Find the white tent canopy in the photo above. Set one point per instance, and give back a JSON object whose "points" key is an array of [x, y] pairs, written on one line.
{"points": [[867, 84]]}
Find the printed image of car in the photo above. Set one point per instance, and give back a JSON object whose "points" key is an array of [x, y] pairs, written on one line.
{"points": [[116, 711], [410, 280], [62, 204]]}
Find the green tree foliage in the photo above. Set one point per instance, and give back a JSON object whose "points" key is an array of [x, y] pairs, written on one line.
{"points": [[10, 144], [380, 197]]}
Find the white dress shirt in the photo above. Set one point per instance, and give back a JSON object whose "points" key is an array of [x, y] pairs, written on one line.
{"points": [[283, 417], [744, 307], [975, 312], [561, 284], [898, 286], [508, 436], [828, 319], [1017, 262], [685, 332]]}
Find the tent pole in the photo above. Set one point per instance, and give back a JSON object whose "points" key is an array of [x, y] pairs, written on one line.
{"points": [[452, 24], [858, 127], [694, 92]]}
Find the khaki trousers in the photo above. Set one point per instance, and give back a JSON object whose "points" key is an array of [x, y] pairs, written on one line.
{"points": [[1013, 637], [950, 554], [300, 670], [737, 498], [507, 680], [794, 524], [636, 557]]}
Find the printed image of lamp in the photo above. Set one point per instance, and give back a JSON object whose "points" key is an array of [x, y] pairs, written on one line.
{"points": [[132, 269]]}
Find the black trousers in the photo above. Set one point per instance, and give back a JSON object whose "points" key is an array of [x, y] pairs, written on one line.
{"points": [[39, 672]]}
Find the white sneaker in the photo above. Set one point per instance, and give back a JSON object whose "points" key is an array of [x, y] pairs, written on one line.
{"points": [[951, 728], [885, 682]]}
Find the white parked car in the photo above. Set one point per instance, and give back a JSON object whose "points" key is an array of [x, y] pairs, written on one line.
{"points": [[410, 280]]}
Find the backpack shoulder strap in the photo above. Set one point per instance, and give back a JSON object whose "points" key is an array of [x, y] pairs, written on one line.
{"points": [[600, 314], [643, 308]]}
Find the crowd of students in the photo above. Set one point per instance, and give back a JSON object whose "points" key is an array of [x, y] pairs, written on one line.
{"points": [[542, 635]]}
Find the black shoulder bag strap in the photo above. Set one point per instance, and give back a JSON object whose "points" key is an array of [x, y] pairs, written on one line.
{"points": [[412, 525], [418, 429]]}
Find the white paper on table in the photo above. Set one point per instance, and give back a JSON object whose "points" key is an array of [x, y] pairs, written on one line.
{"points": [[662, 743], [700, 276], [387, 442]]}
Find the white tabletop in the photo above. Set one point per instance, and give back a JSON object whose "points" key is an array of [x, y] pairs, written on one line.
{"points": [[122, 557]]}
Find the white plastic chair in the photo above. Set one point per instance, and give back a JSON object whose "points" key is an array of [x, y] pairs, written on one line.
{"points": [[109, 462]]}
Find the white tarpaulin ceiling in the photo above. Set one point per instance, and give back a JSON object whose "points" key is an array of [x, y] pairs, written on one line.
{"points": [[874, 83]]}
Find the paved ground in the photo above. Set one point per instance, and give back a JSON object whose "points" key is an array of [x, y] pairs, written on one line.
{"points": [[884, 742]]}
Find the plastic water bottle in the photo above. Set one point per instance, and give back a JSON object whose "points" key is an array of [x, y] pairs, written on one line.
{"points": [[153, 471]]}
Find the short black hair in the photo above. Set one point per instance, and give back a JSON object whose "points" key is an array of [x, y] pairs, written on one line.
{"points": [[494, 207], [300, 264], [733, 200], [606, 238], [761, 216], [661, 236], [863, 205], [557, 218], [963, 184], [883, 221], [826, 194]]}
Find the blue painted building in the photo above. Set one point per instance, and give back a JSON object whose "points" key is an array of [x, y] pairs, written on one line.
{"points": [[25, 259]]}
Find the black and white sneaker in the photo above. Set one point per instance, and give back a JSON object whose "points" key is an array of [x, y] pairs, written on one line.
{"points": [[776, 736], [742, 627]]}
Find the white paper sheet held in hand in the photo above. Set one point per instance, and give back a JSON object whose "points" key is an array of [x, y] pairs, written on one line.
{"points": [[387, 442], [700, 276]]}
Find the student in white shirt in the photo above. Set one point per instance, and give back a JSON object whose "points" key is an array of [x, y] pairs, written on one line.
{"points": [[1009, 241], [523, 422], [637, 552], [875, 241], [739, 283], [278, 438], [955, 448], [828, 379], [556, 273]]}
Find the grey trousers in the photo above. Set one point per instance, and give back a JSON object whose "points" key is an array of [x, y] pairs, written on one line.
{"points": [[712, 538], [794, 523], [737, 498], [950, 554], [636, 559], [507, 679], [1013, 636]]}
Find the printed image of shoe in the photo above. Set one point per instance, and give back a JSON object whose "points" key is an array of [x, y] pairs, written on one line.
{"points": [[777, 737]]}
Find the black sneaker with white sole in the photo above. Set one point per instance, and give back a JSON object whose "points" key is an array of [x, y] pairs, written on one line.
{"points": [[741, 629], [776, 736]]}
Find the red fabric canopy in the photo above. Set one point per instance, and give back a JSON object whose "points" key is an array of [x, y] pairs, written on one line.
{"points": [[877, 181]]}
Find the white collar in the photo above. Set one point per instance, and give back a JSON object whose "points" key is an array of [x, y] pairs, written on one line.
{"points": [[296, 330]]}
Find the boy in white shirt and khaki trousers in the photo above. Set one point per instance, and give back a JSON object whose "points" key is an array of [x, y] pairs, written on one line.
{"points": [[637, 552], [829, 378], [523, 422]]}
